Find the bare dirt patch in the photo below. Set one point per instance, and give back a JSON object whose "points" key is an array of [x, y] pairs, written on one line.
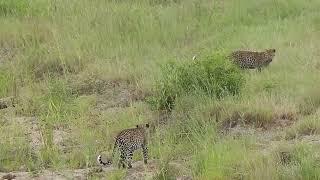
{"points": [[61, 139], [44, 175], [310, 139], [259, 120], [33, 131], [121, 96], [162, 117], [6, 102], [110, 93], [138, 171], [6, 54]]}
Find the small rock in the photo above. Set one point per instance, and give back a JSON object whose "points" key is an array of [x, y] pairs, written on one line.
{"points": [[9, 176]]}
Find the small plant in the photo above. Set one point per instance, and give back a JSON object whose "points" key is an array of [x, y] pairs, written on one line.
{"points": [[213, 76], [308, 126], [310, 103], [6, 83], [165, 172]]}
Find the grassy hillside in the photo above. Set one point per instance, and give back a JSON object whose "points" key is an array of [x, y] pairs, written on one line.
{"points": [[78, 71]]}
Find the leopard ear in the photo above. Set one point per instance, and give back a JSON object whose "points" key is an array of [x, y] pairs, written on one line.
{"points": [[271, 50], [147, 125]]}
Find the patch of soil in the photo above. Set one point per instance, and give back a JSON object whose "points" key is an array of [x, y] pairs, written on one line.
{"points": [[262, 137], [141, 171], [259, 120], [239, 131], [120, 96], [312, 139], [61, 139], [90, 85], [6, 102], [33, 131], [44, 175], [162, 117], [152, 169], [110, 93], [9, 176], [59, 175], [184, 178], [138, 171], [6, 54]]}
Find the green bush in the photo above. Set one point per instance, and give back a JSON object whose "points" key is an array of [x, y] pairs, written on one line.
{"points": [[213, 76]]}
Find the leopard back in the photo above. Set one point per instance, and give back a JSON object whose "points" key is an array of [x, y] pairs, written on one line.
{"points": [[131, 139], [128, 141], [251, 59]]}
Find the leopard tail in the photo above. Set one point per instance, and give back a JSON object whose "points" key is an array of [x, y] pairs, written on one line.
{"points": [[108, 162]]}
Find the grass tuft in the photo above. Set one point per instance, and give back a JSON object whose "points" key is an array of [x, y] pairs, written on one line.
{"points": [[213, 76]]}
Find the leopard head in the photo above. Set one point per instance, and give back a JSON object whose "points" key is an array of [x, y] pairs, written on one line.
{"points": [[144, 129], [143, 126], [269, 55]]}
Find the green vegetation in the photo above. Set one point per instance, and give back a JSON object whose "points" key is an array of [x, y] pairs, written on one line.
{"points": [[82, 70], [214, 76], [6, 83]]}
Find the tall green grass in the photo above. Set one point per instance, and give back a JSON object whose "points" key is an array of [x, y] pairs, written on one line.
{"points": [[214, 76], [6, 83], [56, 45]]}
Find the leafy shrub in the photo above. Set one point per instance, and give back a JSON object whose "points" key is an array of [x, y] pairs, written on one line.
{"points": [[213, 76]]}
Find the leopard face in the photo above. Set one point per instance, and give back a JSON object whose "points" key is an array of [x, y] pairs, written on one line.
{"points": [[268, 56]]}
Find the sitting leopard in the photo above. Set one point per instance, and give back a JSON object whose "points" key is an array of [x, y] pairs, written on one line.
{"points": [[128, 141], [251, 59]]}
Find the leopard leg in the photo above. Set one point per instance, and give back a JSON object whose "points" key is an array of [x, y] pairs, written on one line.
{"points": [[259, 69], [145, 153], [122, 160], [129, 158]]}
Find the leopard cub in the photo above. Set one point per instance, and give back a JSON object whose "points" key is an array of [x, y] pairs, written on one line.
{"points": [[251, 59], [128, 141]]}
